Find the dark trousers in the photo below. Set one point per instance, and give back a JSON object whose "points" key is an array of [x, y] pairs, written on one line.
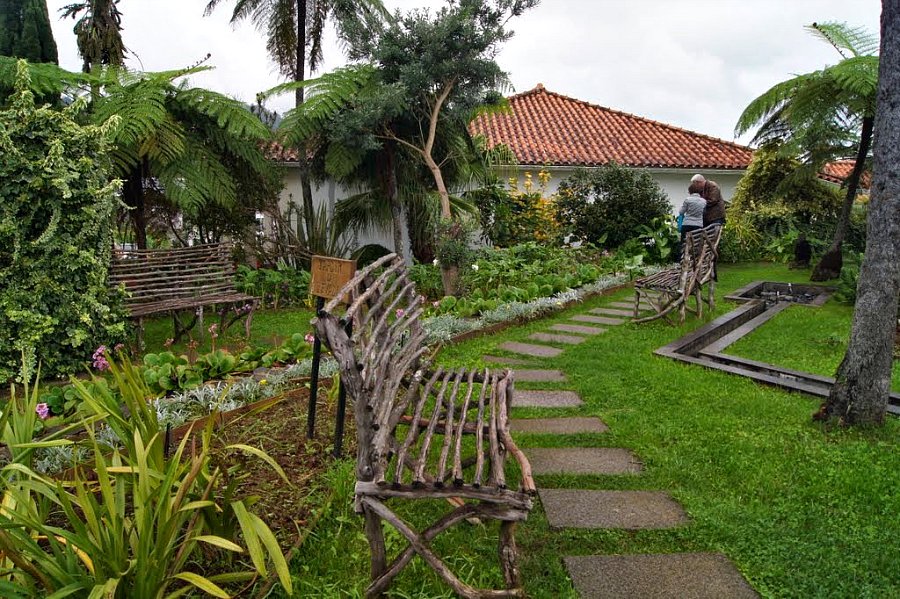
{"points": [[718, 221], [685, 229]]}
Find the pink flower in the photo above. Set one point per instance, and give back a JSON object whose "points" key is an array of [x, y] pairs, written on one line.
{"points": [[169, 343], [43, 410], [400, 312], [421, 299], [213, 330], [119, 347], [436, 304], [99, 358], [310, 338]]}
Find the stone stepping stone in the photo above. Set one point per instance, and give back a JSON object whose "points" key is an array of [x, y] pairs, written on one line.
{"points": [[582, 460], [551, 338], [597, 319], [693, 575], [623, 510], [630, 305], [535, 398], [558, 426], [529, 349], [612, 312], [578, 328], [540, 376], [503, 360]]}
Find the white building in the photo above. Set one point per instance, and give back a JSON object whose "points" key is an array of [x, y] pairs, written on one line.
{"points": [[558, 133]]}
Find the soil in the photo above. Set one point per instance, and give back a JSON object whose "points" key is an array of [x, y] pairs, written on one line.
{"points": [[280, 430]]}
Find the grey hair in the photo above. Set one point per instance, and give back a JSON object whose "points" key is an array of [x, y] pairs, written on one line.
{"points": [[698, 177]]}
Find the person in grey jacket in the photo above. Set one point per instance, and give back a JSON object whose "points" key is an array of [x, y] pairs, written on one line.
{"points": [[692, 208]]}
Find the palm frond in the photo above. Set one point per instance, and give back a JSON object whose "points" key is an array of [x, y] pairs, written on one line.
{"points": [[853, 40]]}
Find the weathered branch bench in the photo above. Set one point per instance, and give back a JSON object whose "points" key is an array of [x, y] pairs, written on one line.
{"points": [[181, 280], [422, 435], [670, 288]]}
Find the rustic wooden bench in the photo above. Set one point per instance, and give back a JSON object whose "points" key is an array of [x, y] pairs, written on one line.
{"points": [[181, 280], [670, 288], [422, 434]]}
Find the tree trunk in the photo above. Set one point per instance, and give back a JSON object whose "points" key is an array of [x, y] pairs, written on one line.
{"points": [[133, 196], [390, 191], [299, 75], [863, 380], [829, 267]]}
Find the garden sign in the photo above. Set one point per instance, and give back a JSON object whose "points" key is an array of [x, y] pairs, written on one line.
{"points": [[329, 275]]}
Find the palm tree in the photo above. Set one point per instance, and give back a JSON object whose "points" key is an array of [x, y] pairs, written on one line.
{"points": [[98, 31], [291, 26], [188, 144], [816, 114]]}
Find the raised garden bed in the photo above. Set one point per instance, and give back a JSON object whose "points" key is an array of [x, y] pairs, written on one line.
{"points": [[762, 301]]}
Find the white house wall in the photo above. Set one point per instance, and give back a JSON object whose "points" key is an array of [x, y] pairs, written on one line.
{"points": [[328, 193], [674, 182]]}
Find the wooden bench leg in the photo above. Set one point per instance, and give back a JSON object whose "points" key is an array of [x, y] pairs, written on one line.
{"points": [[637, 301], [375, 535], [508, 554], [711, 290]]}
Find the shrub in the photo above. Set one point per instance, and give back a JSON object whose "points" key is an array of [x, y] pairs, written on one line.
{"points": [[608, 205], [513, 216], [56, 215]]}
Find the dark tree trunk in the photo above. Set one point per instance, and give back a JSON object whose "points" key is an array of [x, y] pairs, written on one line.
{"points": [[829, 267], [133, 196], [860, 395], [389, 171], [299, 75]]}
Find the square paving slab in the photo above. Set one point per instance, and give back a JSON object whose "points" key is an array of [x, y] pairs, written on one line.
{"points": [[626, 510], [551, 338], [630, 305], [539, 376], [582, 460], [597, 319], [558, 426], [612, 312], [529, 349], [658, 576], [530, 398], [504, 360], [578, 328]]}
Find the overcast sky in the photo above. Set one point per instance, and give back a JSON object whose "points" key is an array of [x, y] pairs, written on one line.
{"points": [[691, 63]]}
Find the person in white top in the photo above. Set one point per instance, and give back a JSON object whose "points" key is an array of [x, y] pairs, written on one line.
{"points": [[692, 208]]}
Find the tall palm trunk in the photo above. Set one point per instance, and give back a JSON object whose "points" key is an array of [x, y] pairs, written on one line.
{"points": [[299, 75], [133, 196], [863, 380], [829, 267]]}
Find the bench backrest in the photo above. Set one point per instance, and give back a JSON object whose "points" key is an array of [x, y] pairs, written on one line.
{"points": [[383, 358], [153, 276], [698, 256]]}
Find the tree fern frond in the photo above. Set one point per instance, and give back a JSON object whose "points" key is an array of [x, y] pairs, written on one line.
{"points": [[341, 160], [769, 102], [854, 40], [363, 212]]}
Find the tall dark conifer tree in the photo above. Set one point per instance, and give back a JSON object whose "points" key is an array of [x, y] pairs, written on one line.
{"points": [[25, 31]]}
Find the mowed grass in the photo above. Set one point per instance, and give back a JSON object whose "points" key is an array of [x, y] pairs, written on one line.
{"points": [[804, 338], [268, 328], [801, 511]]}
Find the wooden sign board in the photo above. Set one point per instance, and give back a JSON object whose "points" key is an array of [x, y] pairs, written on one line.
{"points": [[329, 275]]}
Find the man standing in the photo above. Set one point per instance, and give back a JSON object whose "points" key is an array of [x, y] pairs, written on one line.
{"points": [[715, 206]]}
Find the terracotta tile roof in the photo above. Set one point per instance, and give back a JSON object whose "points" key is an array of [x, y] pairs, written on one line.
{"points": [[837, 172], [278, 153], [544, 127]]}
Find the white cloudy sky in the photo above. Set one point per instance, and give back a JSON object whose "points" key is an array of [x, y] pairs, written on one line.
{"points": [[690, 63]]}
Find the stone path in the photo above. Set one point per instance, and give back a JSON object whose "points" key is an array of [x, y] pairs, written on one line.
{"points": [[689, 575]]}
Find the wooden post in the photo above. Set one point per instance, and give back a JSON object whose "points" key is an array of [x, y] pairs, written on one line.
{"points": [[314, 378]]}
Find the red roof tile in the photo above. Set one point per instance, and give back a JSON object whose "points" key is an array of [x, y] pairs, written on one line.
{"points": [[837, 172], [544, 127]]}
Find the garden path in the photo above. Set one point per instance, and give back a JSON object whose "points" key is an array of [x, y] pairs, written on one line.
{"points": [[694, 575]]}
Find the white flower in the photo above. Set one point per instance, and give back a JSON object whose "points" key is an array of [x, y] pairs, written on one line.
{"points": [[474, 267], [436, 263]]}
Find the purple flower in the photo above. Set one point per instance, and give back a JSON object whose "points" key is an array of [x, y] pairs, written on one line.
{"points": [[310, 338], [400, 312], [119, 347], [43, 410], [99, 358]]}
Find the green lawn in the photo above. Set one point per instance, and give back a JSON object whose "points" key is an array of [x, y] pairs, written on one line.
{"points": [[269, 327], [803, 338], [801, 512]]}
